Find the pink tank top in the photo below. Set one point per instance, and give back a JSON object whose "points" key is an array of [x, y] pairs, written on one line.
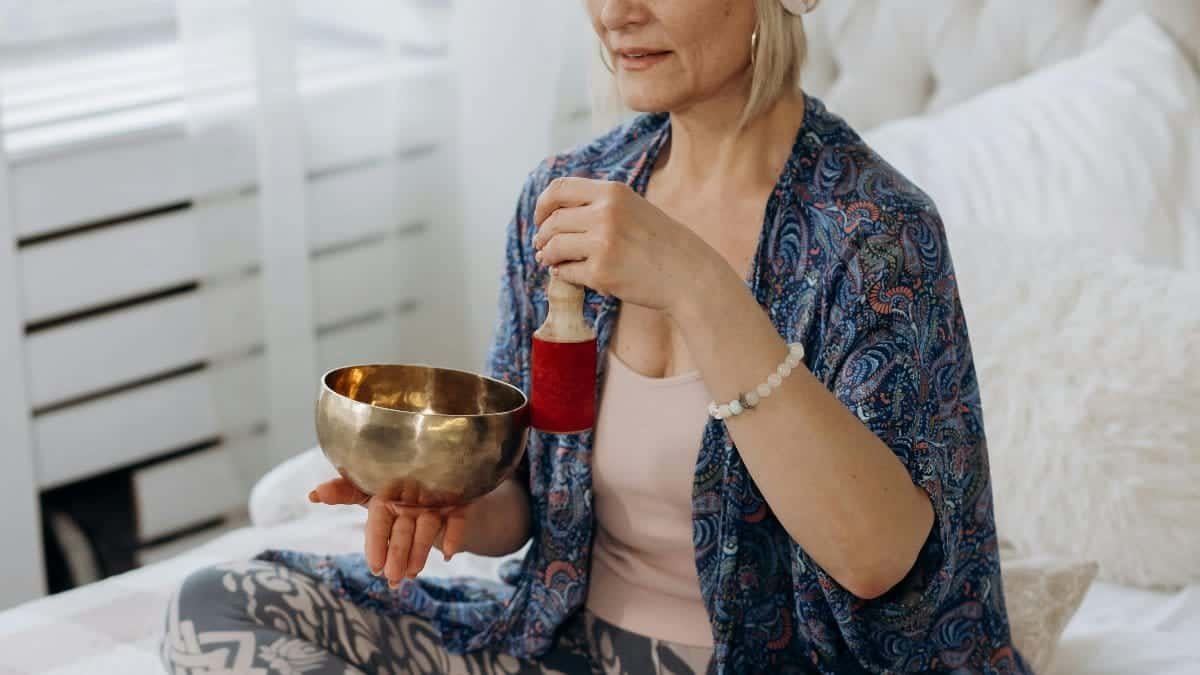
{"points": [[647, 438]]}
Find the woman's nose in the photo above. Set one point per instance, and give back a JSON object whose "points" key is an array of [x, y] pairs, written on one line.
{"points": [[618, 14]]}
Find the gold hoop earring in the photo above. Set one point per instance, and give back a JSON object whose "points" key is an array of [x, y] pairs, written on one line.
{"points": [[753, 46], [604, 58]]}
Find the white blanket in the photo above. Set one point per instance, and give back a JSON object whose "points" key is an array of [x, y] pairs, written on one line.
{"points": [[114, 626]]}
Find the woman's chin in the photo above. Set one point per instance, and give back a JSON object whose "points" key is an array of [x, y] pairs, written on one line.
{"points": [[645, 108], [647, 101]]}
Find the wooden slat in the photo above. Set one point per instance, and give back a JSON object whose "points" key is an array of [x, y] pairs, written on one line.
{"points": [[421, 120], [103, 182], [100, 435], [355, 282], [239, 392], [346, 122], [171, 495], [410, 333], [215, 237], [37, 81], [414, 333], [371, 111], [352, 204], [105, 99], [375, 341], [108, 350], [234, 317], [226, 232], [350, 123], [114, 263], [138, 424], [111, 432], [140, 342], [418, 182], [426, 337]]}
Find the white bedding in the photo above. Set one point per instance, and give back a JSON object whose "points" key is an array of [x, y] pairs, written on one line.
{"points": [[113, 626], [1125, 631]]}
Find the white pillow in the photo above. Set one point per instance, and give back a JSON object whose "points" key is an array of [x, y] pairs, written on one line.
{"points": [[281, 495], [1089, 369], [1104, 147]]}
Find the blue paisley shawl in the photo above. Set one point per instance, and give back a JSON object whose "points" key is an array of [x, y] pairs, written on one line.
{"points": [[853, 262]]}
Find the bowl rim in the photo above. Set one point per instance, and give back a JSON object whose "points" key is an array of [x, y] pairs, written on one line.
{"points": [[325, 388]]}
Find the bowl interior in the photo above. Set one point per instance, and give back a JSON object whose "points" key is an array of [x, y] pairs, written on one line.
{"points": [[425, 390]]}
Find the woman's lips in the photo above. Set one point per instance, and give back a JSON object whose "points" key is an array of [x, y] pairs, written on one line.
{"points": [[638, 60]]}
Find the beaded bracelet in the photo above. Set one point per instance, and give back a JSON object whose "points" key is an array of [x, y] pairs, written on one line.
{"points": [[752, 398]]}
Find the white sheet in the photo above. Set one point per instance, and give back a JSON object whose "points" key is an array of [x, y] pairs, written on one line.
{"points": [[1127, 631], [114, 626]]}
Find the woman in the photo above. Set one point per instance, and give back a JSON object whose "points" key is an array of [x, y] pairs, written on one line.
{"points": [[838, 517]]}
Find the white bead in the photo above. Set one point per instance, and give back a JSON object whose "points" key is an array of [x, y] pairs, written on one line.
{"points": [[797, 349], [735, 407], [751, 398], [763, 390], [774, 380], [713, 411], [793, 360], [784, 370], [725, 411]]}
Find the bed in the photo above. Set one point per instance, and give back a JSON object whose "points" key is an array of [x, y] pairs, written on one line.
{"points": [[880, 61], [113, 626]]}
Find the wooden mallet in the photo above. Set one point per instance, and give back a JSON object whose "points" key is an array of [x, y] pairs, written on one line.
{"points": [[563, 397]]}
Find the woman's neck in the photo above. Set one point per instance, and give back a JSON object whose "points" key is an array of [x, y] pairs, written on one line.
{"points": [[708, 148]]}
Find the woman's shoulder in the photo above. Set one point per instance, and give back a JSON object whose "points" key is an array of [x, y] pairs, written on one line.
{"points": [[612, 155], [856, 189]]}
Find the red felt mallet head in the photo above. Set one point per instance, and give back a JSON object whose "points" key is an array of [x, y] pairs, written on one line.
{"points": [[563, 396]]}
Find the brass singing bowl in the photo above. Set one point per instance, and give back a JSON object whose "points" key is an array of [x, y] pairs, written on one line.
{"points": [[419, 435]]}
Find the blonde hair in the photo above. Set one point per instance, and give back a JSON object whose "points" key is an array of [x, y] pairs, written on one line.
{"points": [[779, 52]]}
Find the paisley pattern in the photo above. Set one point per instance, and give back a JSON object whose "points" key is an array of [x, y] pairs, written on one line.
{"points": [[854, 263]]}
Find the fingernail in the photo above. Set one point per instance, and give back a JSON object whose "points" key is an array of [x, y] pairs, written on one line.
{"points": [[312, 496], [393, 584], [378, 572], [445, 556], [538, 256]]}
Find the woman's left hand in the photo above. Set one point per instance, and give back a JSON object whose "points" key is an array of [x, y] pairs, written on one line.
{"points": [[603, 235]]}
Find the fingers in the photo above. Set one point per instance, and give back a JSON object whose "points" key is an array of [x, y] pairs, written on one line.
{"points": [[398, 548], [337, 491], [429, 524], [566, 247], [399, 539], [456, 526], [566, 192], [579, 274], [563, 221], [570, 192], [378, 531]]}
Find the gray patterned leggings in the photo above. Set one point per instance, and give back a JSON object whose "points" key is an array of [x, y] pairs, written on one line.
{"points": [[262, 618]]}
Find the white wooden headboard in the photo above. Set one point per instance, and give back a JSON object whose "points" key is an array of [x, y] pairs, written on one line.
{"points": [[135, 303], [876, 60], [872, 61]]}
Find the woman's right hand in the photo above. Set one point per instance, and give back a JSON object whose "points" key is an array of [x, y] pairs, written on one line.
{"points": [[398, 538]]}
